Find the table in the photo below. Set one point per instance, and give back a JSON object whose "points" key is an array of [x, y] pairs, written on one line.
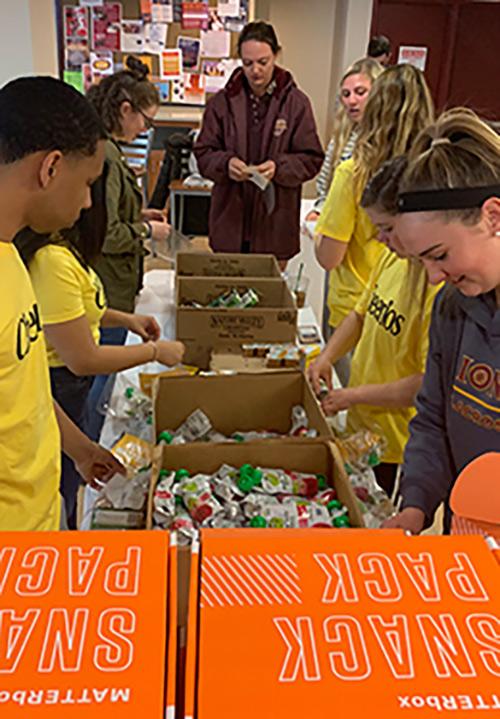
{"points": [[157, 298]]}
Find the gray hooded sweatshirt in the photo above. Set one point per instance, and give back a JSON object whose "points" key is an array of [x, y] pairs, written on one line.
{"points": [[458, 407]]}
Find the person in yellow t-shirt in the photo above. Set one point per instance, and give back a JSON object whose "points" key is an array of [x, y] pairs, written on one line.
{"points": [[399, 106], [51, 151], [388, 331], [73, 309]]}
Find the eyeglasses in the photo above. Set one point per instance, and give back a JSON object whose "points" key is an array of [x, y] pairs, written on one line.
{"points": [[148, 121]]}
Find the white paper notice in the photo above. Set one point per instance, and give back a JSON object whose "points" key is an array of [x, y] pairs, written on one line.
{"points": [[412, 55], [228, 8], [90, 3], [132, 36], [215, 43], [162, 11], [155, 36]]}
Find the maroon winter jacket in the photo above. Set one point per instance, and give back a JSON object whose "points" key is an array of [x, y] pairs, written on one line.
{"points": [[289, 138]]}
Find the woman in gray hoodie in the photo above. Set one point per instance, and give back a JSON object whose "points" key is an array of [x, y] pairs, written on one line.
{"points": [[450, 219]]}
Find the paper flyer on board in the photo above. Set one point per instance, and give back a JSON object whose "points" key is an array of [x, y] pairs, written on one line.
{"points": [[101, 64], [132, 36], [412, 55], [162, 11], [106, 26], [155, 37], [190, 49], [194, 15], [368, 622], [228, 8], [171, 64], [215, 43], [76, 37]]}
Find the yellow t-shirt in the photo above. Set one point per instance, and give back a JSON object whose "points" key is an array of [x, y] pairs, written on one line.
{"points": [[344, 220], [65, 291], [30, 448], [393, 345]]}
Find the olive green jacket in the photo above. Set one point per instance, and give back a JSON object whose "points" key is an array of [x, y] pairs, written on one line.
{"points": [[120, 265]]}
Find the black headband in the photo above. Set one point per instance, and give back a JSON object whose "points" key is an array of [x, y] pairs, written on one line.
{"points": [[459, 198]]}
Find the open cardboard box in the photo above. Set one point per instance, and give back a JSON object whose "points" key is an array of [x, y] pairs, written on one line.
{"points": [[226, 264], [206, 329], [238, 402]]}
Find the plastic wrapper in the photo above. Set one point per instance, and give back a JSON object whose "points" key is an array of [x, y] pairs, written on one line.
{"points": [[246, 496], [130, 409]]}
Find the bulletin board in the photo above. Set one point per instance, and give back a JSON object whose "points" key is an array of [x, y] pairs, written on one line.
{"points": [[190, 47]]}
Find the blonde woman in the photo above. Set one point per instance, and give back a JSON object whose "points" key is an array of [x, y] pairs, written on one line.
{"points": [[399, 107], [354, 90], [387, 331], [450, 219]]}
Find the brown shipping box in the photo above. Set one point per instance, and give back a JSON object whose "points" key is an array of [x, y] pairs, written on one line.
{"points": [[239, 402], [204, 330], [221, 264], [320, 456]]}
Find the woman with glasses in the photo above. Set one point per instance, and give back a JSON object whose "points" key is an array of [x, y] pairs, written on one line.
{"points": [[127, 103]]}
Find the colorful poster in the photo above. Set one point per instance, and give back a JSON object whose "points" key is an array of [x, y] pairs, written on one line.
{"points": [[133, 36], [162, 11], [146, 59], [215, 78], [76, 23], [215, 21], [412, 55], [171, 64], [82, 614], [87, 76], [163, 88], [215, 43], [178, 90], [190, 49], [101, 64], [74, 78], [155, 37], [76, 37], [194, 88], [194, 15], [146, 10], [106, 27]]}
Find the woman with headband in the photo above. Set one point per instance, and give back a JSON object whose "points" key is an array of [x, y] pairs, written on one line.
{"points": [[450, 220]]}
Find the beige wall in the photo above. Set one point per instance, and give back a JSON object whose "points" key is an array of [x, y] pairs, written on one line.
{"points": [[15, 40], [44, 35]]}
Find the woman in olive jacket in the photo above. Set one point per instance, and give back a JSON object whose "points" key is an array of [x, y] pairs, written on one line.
{"points": [[261, 119], [126, 103]]}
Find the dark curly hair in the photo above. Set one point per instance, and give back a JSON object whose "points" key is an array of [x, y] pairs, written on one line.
{"points": [[45, 114], [130, 85]]}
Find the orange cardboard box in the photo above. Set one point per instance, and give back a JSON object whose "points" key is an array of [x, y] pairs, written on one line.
{"points": [[83, 616], [360, 623]]}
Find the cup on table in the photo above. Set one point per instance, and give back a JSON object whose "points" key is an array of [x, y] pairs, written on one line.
{"points": [[298, 286]]}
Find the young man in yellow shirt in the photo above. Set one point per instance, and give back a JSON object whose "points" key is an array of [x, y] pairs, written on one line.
{"points": [[51, 151]]}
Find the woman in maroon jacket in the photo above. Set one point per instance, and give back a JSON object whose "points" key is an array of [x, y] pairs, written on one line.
{"points": [[260, 119]]}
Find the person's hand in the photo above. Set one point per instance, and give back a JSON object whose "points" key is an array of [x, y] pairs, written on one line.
{"points": [[321, 368], [152, 215], [410, 519], [237, 170], [160, 230], [268, 169], [96, 465], [170, 353], [144, 326], [312, 216], [337, 400]]}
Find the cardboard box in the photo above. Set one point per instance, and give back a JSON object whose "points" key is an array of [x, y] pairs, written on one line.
{"points": [[345, 623], [222, 264], [206, 329], [319, 456], [239, 402]]}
